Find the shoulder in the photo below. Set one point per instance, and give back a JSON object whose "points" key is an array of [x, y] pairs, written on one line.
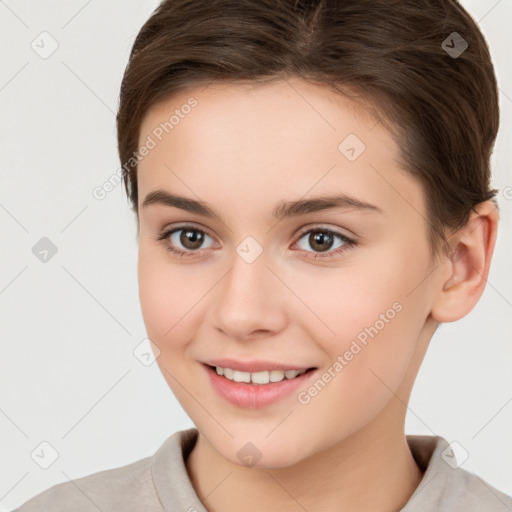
{"points": [[469, 492], [446, 486], [127, 488], [152, 484]]}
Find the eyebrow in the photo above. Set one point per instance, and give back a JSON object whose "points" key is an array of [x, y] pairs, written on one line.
{"points": [[282, 210]]}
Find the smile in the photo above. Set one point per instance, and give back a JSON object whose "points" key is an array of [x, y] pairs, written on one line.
{"points": [[262, 377], [258, 389]]}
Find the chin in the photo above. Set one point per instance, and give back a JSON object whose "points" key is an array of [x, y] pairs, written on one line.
{"points": [[264, 454]]}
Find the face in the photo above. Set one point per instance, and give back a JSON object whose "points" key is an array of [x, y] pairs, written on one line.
{"points": [[337, 288]]}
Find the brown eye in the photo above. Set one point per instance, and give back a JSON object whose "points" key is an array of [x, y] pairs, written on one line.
{"points": [[320, 240], [186, 241], [191, 238]]}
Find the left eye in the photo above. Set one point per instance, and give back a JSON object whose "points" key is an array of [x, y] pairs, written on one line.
{"points": [[322, 240]]}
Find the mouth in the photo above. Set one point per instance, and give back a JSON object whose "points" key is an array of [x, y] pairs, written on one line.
{"points": [[260, 378], [257, 389]]}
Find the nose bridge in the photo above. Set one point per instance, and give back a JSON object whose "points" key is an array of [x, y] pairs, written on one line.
{"points": [[247, 277], [246, 300]]}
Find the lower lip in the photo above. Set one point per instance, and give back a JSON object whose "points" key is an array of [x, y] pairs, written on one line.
{"points": [[255, 396]]}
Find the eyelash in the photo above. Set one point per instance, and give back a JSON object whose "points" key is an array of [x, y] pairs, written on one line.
{"points": [[349, 243]]}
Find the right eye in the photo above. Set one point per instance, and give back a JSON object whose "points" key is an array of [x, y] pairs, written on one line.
{"points": [[184, 241]]}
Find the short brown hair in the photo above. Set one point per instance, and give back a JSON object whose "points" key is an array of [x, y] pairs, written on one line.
{"points": [[442, 109]]}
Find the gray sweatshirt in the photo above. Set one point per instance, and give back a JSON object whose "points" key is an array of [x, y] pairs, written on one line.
{"points": [[160, 483]]}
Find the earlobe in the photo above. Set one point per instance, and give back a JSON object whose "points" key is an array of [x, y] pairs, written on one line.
{"points": [[467, 265]]}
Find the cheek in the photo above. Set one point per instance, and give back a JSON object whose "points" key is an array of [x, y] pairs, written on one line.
{"points": [[169, 296], [345, 303], [368, 320], [166, 294]]}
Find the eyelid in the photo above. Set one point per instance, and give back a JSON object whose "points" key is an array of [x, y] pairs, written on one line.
{"points": [[166, 231], [335, 230]]}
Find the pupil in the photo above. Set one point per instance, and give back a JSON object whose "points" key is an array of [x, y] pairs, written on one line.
{"points": [[191, 239], [321, 240]]}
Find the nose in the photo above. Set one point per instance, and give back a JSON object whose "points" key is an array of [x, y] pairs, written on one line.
{"points": [[249, 301]]}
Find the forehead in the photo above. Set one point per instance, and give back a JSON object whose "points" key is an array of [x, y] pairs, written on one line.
{"points": [[248, 145]]}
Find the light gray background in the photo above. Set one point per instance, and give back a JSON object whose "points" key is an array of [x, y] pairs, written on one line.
{"points": [[69, 326]]}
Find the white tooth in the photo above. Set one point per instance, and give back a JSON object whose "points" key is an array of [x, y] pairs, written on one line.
{"points": [[276, 375], [260, 377], [263, 377], [241, 376], [228, 373]]}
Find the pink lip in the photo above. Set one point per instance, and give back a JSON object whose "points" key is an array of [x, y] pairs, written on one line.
{"points": [[254, 396], [252, 366]]}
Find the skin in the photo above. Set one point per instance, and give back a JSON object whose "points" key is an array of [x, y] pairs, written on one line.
{"points": [[243, 150]]}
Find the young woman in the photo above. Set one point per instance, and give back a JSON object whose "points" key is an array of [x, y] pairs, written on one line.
{"points": [[311, 185]]}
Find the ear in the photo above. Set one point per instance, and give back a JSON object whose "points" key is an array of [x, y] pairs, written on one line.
{"points": [[467, 266]]}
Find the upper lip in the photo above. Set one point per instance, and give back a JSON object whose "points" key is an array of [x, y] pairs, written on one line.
{"points": [[253, 366]]}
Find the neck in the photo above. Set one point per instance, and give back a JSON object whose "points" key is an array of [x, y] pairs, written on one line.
{"points": [[373, 469]]}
